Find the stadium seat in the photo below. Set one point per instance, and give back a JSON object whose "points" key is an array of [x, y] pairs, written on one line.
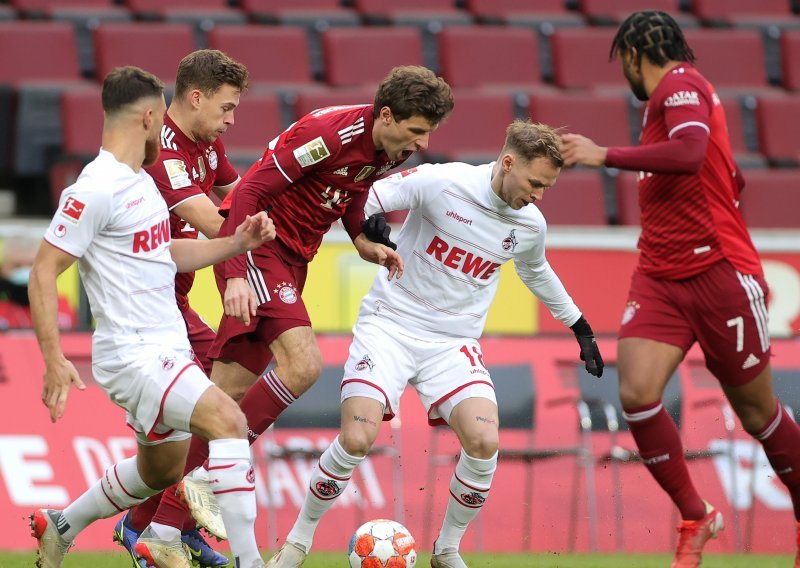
{"points": [[476, 129], [524, 12], [790, 60], [778, 120], [627, 198], [411, 12], [258, 120], [158, 9], [276, 56], [308, 101], [610, 12], [31, 61], [603, 117], [505, 56], [155, 47], [727, 12], [577, 198], [771, 198], [517, 405], [311, 12], [715, 49], [742, 132], [39, 8], [580, 58], [363, 56]]}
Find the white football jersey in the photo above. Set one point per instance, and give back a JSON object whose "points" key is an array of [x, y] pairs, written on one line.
{"points": [[116, 223], [457, 235]]}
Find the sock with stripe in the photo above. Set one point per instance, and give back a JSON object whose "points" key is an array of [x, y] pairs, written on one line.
{"points": [[661, 449], [141, 515], [171, 511], [264, 402], [328, 480], [231, 477], [469, 489], [781, 440], [120, 488]]}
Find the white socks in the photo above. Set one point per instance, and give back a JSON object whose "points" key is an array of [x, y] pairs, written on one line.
{"points": [[469, 488], [120, 488], [231, 477], [328, 480]]}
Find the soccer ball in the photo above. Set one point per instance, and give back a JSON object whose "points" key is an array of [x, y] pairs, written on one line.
{"points": [[382, 544]]}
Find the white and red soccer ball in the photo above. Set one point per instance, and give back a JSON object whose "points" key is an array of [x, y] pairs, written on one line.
{"points": [[382, 543]]}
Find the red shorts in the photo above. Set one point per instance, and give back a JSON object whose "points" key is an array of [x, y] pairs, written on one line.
{"points": [[723, 310], [277, 279], [201, 336]]}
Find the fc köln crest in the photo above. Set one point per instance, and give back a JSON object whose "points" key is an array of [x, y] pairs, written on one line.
{"points": [[510, 242]]}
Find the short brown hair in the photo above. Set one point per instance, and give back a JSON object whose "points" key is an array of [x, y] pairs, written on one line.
{"points": [[531, 140], [208, 70], [126, 85], [411, 90]]}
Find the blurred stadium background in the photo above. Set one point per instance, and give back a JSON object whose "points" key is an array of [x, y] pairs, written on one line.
{"points": [[544, 59]]}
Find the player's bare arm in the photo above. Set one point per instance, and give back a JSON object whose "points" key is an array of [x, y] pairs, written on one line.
{"points": [[60, 374], [201, 213], [190, 255], [379, 254], [579, 150]]}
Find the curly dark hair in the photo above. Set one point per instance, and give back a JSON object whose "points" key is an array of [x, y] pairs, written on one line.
{"points": [[652, 33], [411, 90]]}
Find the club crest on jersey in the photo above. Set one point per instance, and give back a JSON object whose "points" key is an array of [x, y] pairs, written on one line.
{"points": [[365, 363], [167, 362], [630, 311], [72, 210], [312, 152], [510, 242], [365, 172], [213, 160], [286, 292]]}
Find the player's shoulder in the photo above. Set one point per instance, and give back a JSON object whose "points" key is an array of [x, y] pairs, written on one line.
{"points": [[687, 81]]}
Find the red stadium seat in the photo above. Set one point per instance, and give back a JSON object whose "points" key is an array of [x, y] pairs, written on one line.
{"points": [[330, 11], [503, 56], [411, 11], [44, 6], [716, 50], [155, 47], [523, 12], [778, 120], [577, 198], [580, 58], [160, 7], [476, 129], [82, 122], [627, 194], [732, 11], [257, 121], [615, 11], [363, 56], [38, 51], [790, 60], [601, 117], [771, 198], [274, 55], [743, 148], [308, 101]]}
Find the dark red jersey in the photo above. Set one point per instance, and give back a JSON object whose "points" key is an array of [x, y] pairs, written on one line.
{"points": [[690, 221], [185, 170], [314, 173]]}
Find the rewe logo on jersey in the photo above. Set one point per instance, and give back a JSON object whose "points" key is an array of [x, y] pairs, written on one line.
{"points": [[460, 259], [151, 239], [682, 98]]}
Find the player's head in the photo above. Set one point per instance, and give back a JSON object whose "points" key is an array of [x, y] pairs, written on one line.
{"points": [[410, 103], [134, 98], [529, 163], [651, 34], [207, 90]]}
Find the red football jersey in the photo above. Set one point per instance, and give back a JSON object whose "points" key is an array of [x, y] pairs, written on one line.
{"points": [[691, 221], [317, 171], [187, 169]]}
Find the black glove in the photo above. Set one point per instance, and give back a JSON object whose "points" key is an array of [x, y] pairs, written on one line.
{"points": [[589, 351], [377, 230]]}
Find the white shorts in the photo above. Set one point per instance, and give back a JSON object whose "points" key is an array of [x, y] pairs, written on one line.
{"points": [[384, 358], [158, 388]]}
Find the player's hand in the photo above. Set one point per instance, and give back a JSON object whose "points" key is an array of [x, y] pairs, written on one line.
{"points": [[254, 231], [579, 150], [240, 300], [376, 229], [590, 353], [59, 376], [379, 254]]}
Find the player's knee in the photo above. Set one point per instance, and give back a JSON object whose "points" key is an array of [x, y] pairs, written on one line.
{"points": [[230, 422], [482, 445], [163, 477], [356, 441], [630, 396], [305, 372]]}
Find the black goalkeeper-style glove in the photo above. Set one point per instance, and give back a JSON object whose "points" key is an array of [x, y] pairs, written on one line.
{"points": [[377, 230], [590, 353]]}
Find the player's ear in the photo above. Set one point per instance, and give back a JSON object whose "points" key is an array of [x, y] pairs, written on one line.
{"points": [[385, 115]]}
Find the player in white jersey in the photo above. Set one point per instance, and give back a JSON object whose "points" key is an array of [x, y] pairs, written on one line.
{"points": [[115, 223], [464, 223]]}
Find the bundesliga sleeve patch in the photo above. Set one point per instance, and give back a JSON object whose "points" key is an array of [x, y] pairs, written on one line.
{"points": [[311, 152], [72, 210], [177, 174]]}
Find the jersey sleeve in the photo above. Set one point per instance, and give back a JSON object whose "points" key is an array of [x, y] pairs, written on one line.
{"points": [[406, 190], [687, 103], [173, 177], [82, 214], [354, 214], [226, 173]]}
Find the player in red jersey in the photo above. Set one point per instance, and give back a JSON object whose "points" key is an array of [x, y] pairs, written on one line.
{"points": [[699, 277], [191, 165]]}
